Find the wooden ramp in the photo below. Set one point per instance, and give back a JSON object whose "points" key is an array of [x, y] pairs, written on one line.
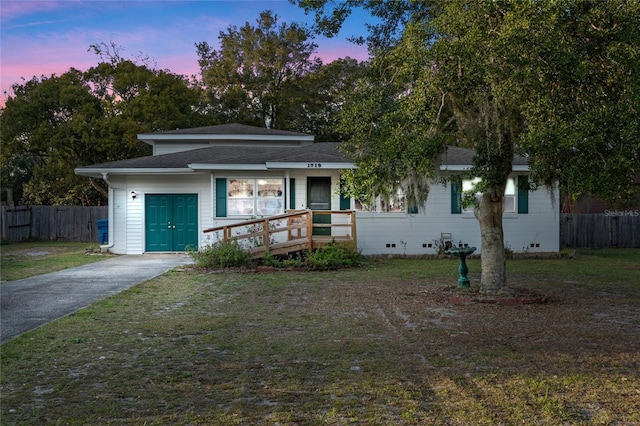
{"points": [[289, 232]]}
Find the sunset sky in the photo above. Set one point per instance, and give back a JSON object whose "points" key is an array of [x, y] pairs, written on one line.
{"points": [[49, 37]]}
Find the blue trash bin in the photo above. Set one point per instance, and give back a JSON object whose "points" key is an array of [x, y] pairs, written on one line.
{"points": [[103, 231]]}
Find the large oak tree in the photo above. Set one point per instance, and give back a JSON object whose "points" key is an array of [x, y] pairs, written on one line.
{"points": [[557, 82]]}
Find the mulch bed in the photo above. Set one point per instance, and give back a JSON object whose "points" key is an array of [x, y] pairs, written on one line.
{"points": [[519, 297]]}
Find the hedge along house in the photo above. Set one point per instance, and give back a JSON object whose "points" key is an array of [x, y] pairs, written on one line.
{"points": [[215, 176]]}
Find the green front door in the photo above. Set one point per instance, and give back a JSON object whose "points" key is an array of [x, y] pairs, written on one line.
{"points": [[171, 222], [319, 198]]}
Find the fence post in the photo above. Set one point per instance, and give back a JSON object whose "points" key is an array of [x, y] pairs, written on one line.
{"points": [[3, 223]]}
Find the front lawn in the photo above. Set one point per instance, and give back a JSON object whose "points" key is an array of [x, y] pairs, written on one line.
{"points": [[375, 345], [23, 260]]}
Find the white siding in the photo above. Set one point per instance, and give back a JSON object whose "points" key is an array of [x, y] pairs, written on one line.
{"points": [[128, 219], [117, 213], [412, 234], [377, 233], [118, 223], [402, 233], [135, 224], [539, 230]]}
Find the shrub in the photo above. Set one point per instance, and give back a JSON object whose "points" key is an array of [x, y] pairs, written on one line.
{"points": [[294, 261], [222, 254], [270, 260], [333, 256]]}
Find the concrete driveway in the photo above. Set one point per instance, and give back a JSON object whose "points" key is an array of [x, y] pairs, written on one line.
{"points": [[29, 303]]}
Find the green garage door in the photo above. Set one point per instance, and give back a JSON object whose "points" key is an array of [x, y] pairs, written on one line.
{"points": [[171, 222]]}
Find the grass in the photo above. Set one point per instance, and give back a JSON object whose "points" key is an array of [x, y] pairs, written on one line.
{"points": [[23, 260], [374, 345]]}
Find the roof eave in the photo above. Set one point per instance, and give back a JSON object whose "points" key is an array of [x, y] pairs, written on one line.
{"points": [[454, 168], [98, 172], [464, 168], [309, 165], [207, 166]]}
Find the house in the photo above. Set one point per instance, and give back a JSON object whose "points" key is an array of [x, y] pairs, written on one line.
{"points": [[207, 177]]}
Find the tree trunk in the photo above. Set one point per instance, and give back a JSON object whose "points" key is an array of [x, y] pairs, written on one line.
{"points": [[494, 269]]}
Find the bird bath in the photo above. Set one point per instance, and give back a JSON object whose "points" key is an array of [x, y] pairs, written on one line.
{"points": [[462, 253]]}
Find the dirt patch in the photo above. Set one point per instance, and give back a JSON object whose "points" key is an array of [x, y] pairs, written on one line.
{"points": [[37, 253]]}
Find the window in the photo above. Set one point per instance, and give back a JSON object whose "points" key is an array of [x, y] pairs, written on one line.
{"points": [[515, 196], [364, 207], [469, 186], [255, 197], [509, 203], [397, 203]]}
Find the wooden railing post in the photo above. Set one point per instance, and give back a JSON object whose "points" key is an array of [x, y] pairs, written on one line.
{"points": [[353, 226], [310, 228], [266, 234]]}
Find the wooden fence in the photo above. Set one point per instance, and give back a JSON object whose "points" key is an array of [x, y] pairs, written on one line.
{"points": [[605, 230], [51, 223]]}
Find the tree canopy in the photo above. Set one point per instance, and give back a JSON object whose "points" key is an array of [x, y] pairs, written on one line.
{"points": [[266, 75], [53, 124], [256, 73], [556, 82]]}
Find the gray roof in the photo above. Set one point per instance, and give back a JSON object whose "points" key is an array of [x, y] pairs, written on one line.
{"points": [[456, 156], [239, 155], [325, 152]]}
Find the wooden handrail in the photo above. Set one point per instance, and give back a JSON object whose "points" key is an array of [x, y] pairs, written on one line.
{"points": [[297, 220], [254, 221]]}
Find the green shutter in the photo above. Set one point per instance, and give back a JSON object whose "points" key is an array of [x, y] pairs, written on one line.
{"points": [[456, 198], [345, 202], [523, 194], [292, 194], [221, 197], [413, 208]]}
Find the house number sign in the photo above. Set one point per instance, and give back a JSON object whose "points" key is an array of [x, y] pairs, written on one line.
{"points": [[314, 165]]}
